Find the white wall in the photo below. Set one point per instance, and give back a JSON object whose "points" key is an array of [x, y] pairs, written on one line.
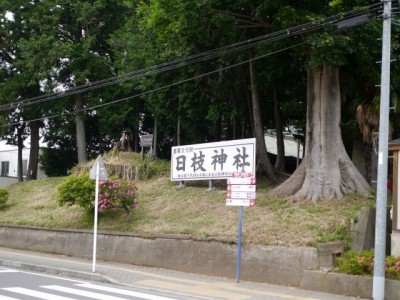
{"points": [[9, 154]]}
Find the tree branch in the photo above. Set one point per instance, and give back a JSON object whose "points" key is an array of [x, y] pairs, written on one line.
{"points": [[245, 20]]}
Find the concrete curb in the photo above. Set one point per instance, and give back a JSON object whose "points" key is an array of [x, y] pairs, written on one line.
{"points": [[57, 271], [343, 284]]}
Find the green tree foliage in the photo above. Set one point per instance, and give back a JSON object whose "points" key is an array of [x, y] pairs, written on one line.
{"points": [[26, 61], [180, 29], [65, 44], [57, 162]]}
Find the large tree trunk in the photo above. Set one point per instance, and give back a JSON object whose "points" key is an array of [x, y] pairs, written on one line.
{"points": [[155, 137], [368, 162], [280, 158], [263, 162], [218, 128], [20, 143], [178, 132], [80, 129], [34, 152], [326, 171]]}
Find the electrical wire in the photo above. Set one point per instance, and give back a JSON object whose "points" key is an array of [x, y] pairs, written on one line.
{"points": [[91, 108], [200, 57]]}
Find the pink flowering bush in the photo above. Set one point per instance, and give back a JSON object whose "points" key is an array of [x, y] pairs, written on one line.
{"points": [[116, 194], [113, 194], [363, 264]]}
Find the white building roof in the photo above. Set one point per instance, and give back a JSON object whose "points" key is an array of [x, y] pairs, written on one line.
{"points": [[291, 144]]}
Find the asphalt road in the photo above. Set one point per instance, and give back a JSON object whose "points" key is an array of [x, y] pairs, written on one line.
{"points": [[17, 284]]}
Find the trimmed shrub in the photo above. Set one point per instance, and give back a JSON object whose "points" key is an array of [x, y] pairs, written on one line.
{"points": [[77, 189]]}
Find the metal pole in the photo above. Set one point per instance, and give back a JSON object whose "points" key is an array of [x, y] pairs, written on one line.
{"points": [[210, 185], [378, 287], [239, 249], [96, 204]]}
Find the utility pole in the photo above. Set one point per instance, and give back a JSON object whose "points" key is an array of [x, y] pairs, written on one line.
{"points": [[378, 287]]}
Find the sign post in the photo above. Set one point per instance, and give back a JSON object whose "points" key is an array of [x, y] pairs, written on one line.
{"points": [[98, 172], [145, 141], [239, 245], [241, 191]]}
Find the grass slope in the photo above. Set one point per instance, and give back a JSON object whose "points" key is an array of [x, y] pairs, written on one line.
{"points": [[193, 210]]}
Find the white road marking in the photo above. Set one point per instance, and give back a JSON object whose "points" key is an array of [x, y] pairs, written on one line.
{"points": [[123, 292], [8, 271], [81, 292], [36, 294], [7, 298]]}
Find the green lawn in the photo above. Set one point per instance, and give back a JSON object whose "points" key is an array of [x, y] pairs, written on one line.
{"points": [[164, 209]]}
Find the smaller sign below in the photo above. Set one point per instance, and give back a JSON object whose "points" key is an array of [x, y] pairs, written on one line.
{"points": [[241, 180], [241, 174], [241, 195], [146, 140], [241, 188], [241, 202]]}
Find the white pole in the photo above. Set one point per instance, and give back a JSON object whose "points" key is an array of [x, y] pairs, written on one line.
{"points": [[378, 284], [96, 205]]}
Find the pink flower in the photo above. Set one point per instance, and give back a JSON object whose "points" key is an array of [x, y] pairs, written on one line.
{"points": [[397, 266]]}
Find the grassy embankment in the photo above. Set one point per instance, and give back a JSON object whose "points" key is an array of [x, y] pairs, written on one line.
{"points": [[192, 210]]}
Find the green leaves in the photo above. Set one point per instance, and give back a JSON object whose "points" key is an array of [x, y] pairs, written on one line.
{"points": [[77, 189]]}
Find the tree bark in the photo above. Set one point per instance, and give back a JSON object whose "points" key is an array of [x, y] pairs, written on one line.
{"points": [[326, 171], [280, 159], [263, 162], [250, 107], [218, 128], [80, 129], [32, 170], [20, 144], [368, 161], [155, 138]]}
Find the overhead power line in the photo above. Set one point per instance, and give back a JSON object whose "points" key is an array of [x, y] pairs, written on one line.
{"points": [[200, 57], [160, 88]]}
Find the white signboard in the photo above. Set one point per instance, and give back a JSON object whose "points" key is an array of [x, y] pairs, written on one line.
{"points": [[146, 140], [241, 188], [241, 195], [241, 202], [213, 160], [241, 180]]}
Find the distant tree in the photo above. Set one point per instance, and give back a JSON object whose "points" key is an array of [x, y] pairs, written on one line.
{"points": [[57, 162], [84, 55], [25, 63]]}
